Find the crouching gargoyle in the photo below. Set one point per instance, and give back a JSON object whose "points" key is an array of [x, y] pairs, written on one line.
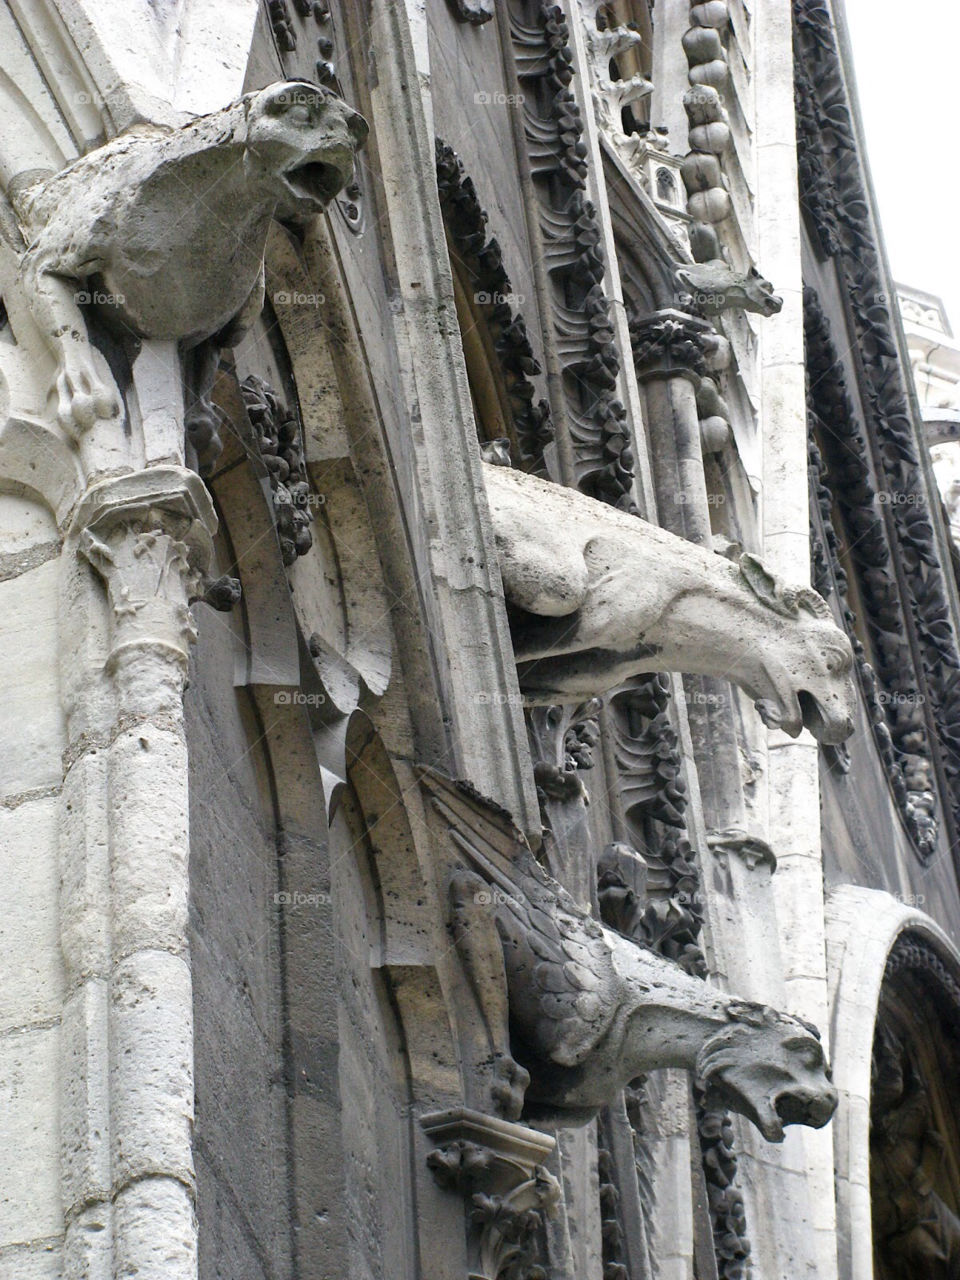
{"points": [[162, 232], [598, 595], [574, 1010]]}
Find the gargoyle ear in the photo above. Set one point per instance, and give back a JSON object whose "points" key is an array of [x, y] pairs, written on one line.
{"points": [[760, 580]]}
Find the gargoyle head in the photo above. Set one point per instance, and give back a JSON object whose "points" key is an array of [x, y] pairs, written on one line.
{"points": [[302, 140], [768, 1067], [714, 287], [808, 682]]}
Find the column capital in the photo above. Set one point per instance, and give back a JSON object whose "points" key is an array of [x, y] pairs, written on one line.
{"points": [[497, 1166], [149, 535], [671, 344]]}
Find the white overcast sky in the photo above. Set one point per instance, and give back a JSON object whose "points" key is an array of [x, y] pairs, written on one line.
{"points": [[908, 78]]}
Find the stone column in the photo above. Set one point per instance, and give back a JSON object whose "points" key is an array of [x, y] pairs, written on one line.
{"points": [[669, 356], [127, 1088]]}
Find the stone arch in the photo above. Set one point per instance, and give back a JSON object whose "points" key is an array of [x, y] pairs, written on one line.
{"points": [[863, 928]]}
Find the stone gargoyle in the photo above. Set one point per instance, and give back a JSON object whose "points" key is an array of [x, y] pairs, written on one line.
{"points": [[597, 596], [161, 231], [574, 1010], [714, 287]]}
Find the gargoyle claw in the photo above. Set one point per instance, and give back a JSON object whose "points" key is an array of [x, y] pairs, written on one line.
{"points": [[510, 1087], [82, 400]]}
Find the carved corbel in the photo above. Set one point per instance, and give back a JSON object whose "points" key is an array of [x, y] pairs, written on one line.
{"points": [[498, 1168], [149, 535], [751, 849]]}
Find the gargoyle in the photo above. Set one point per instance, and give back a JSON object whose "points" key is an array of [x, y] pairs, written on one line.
{"points": [[598, 595], [162, 231], [587, 1010], [714, 287]]}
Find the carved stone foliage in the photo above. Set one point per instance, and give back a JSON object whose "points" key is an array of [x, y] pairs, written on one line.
{"points": [[843, 480], [833, 192], [480, 255], [608, 40], [279, 438], [708, 201], [476, 12], [498, 1169], [611, 1229], [575, 262], [149, 537], [565, 739]]}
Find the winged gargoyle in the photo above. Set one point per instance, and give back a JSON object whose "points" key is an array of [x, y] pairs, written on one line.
{"points": [[573, 1010], [598, 596]]}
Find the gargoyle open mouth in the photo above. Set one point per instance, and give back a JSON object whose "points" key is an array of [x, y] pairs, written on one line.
{"points": [[807, 712], [317, 181], [828, 729]]}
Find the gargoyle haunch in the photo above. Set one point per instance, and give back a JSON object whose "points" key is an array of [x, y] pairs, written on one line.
{"points": [[599, 595], [169, 227], [574, 1010]]}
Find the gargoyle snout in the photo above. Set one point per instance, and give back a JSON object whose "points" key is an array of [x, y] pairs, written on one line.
{"points": [[811, 1107]]}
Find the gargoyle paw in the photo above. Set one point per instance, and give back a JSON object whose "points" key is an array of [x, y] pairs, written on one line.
{"points": [[510, 1086], [82, 400]]}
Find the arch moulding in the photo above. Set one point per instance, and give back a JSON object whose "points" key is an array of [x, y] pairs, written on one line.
{"points": [[863, 926]]}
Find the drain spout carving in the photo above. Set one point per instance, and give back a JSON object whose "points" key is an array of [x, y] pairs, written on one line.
{"points": [[587, 1010], [598, 596], [162, 232]]}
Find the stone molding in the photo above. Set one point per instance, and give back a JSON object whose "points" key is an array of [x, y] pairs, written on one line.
{"points": [[863, 929]]}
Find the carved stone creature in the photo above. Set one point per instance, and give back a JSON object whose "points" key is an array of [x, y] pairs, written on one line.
{"points": [[714, 287], [598, 596], [589, 1010], [163, 231]]}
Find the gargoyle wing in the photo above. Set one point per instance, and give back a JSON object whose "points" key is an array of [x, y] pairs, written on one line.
{"points": [[564, 989]]}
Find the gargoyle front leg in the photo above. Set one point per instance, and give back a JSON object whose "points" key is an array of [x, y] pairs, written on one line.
{"points": [[474, 928], [200, 364], [83, 397]]}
